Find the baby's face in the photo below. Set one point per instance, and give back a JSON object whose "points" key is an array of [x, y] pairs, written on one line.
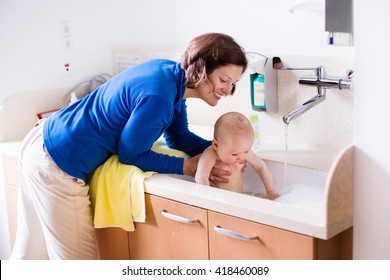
{"points": [[234, 150]]}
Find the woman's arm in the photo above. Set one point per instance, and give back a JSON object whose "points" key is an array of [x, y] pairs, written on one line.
{"points": [[145, 125], [179, 137]]}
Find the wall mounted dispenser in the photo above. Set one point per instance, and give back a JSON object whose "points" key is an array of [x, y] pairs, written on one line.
{"points": [[263, 84], [339, 22]]}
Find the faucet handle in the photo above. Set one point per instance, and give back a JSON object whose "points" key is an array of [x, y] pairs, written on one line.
{"points": [[320, 72], [349, 73]]}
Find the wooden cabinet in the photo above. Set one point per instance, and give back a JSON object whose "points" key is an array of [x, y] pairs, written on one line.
{"points": [[11, 185], [176, 231], [112, 244], [234, 238], [172, 230]]}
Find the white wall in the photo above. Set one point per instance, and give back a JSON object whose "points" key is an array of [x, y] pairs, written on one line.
{"points": [[32, 53], [31, 57], [371, 131]]}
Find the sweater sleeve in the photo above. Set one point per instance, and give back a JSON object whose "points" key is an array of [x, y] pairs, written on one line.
{"points": [[179, 137], [147, 122]]}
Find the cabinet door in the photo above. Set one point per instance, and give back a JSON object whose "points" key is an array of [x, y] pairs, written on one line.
{"points": [[234, 238], [11, 169], [112, 244], [11, 194], [11, 186], [172, 231]]}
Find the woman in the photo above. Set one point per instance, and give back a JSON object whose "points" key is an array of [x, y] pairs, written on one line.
{"points": [[124, 116]]}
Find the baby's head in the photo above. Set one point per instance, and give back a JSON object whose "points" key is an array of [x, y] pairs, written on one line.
{"points": [[233, 137]]}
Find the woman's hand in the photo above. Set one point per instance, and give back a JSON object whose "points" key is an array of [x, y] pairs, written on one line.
{"points": [[219, 176], [216, 175], [190, 165]]}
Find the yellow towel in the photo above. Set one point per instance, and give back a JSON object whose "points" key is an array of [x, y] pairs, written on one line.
{"points": [[117, 191], [161, 147], [117, 194]]}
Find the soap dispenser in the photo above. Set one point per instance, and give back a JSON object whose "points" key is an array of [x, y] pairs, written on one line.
{"points": [[258, 92], [263, 86]]}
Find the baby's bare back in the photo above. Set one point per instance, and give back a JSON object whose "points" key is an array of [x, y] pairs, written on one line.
{"points": [[236, 181]]}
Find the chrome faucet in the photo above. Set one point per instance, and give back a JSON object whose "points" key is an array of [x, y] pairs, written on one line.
{"points": [[321, 96], [322, 82], [320, 79]]}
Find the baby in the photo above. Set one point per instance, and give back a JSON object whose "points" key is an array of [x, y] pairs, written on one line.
{"points": [[230, 150]]}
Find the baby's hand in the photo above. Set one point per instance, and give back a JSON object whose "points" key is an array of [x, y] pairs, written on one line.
{"points": [[271, 195]]}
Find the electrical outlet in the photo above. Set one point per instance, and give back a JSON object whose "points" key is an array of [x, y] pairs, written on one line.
{"points": [[66, 35], [65, 62]]}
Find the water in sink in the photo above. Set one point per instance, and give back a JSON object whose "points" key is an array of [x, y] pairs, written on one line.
{"points": [[295, 184], [299, 186], [301, 194]]}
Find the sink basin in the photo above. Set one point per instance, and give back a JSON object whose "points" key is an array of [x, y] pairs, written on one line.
{"points": [[296, 185]]}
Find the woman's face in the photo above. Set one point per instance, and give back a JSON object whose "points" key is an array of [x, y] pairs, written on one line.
{"points": [[219, 83]]}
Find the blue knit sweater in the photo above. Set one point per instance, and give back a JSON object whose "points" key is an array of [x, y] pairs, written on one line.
{"points": [[125, 116]]}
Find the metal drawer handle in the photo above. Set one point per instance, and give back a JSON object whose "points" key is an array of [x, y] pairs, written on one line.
{"points": [[177, 218], [234, 234]]}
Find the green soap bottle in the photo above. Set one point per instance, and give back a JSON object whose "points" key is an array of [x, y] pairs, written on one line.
{"points": [[258, 92]]}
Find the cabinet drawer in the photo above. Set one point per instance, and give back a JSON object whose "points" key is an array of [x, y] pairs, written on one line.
{"points": [[172, 231], [271, 243], [10, 168]]}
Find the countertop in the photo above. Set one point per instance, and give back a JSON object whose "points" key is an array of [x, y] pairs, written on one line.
{"points": [[306, 219]]}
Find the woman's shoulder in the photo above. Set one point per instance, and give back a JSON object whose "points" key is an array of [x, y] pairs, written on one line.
{"points": [[161, 64]]}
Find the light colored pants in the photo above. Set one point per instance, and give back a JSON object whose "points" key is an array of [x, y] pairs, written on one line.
{"points": [[54, 210]]}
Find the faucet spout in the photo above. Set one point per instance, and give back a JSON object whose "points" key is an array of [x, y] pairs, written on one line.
{"points": [[321, 96]]}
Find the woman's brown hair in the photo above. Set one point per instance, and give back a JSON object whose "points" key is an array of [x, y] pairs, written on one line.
{"points": [[207, 52]]}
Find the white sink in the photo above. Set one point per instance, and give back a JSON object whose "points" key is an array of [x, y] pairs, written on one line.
{"points": [[295, 185], [304, 185], [313, 202]]}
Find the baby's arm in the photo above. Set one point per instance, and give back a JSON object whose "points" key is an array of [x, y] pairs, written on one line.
{"points": [[205, 164], [259, 166]]}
